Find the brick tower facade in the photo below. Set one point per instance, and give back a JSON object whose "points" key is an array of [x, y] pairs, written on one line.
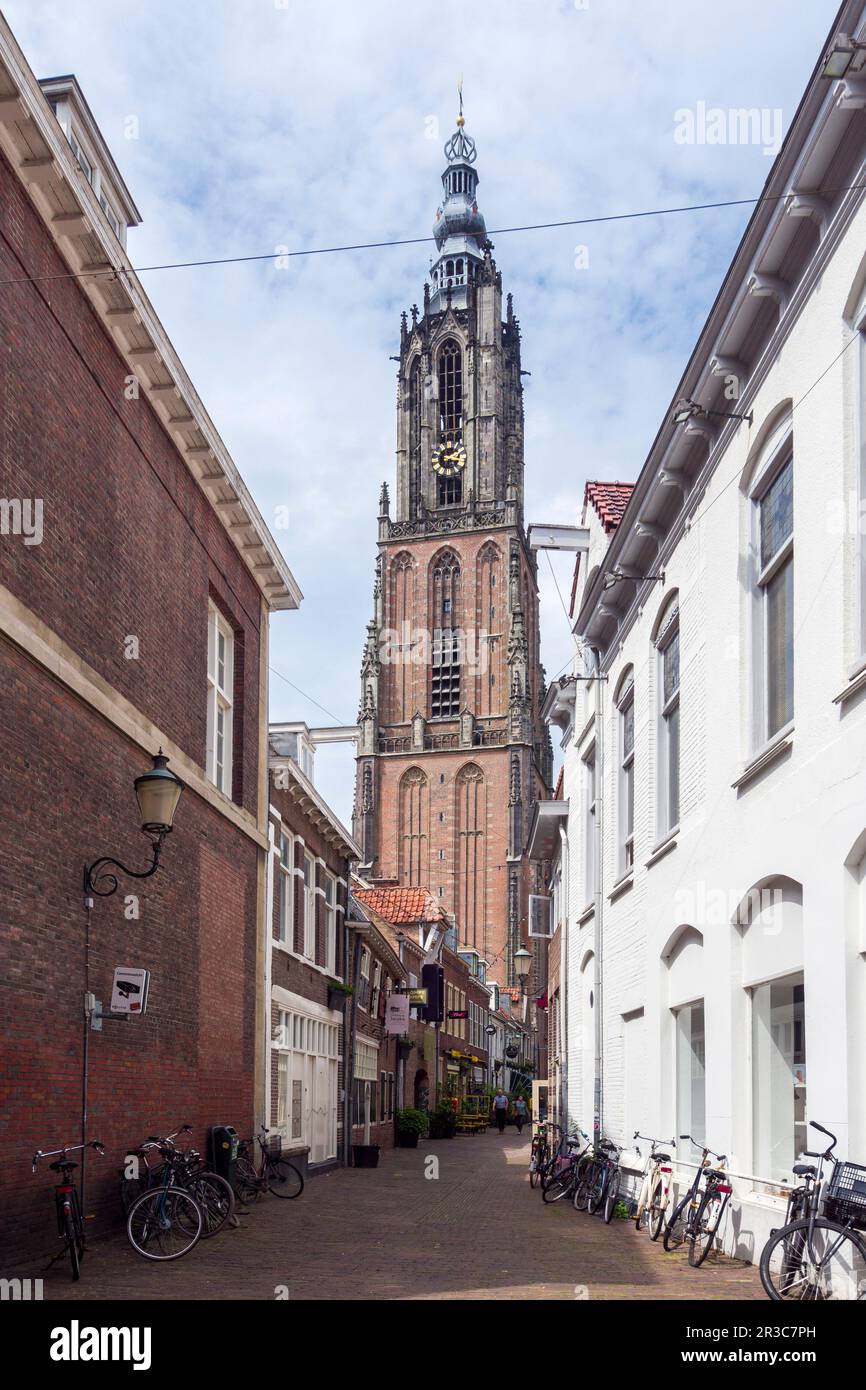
{"points": [[452, 752]]}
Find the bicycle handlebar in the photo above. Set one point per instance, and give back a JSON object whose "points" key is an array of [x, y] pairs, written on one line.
{"points": [[94, 1144]]}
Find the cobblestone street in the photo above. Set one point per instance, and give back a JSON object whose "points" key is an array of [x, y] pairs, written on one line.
{"points": [[477, 1232]]}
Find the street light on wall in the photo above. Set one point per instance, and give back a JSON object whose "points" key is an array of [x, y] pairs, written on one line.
{"points": [[158, 792], [522, 962], [687, 409], [841, 56]]}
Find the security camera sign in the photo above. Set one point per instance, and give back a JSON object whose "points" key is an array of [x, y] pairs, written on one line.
{"points": [[129, 991]]}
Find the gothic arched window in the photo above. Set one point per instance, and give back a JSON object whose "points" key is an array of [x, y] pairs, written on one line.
{"points": [[401, 618], [413, 814], [470, 819], [489, 626], [445, 624], [451, 389]]}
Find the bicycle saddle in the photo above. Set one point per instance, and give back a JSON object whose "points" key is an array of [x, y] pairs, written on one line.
{"points": [[662, 1158], [714, 1173], [800, 1169], [62, 1165]]}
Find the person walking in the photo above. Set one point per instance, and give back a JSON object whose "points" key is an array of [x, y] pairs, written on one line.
{"points": [[500, 1109], [521, 1113]]}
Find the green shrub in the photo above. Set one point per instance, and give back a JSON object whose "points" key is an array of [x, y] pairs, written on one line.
{"points": [[411, 1121]]}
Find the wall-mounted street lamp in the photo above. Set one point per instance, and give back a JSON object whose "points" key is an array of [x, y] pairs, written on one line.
{"points": [[158, 792], [617, 576], [687, 409], [840, 57], [522, 962]]}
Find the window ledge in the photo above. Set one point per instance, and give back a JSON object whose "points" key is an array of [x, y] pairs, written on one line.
{"points": [[621, 886], [780, 744], [305, 960], [856, 683], [588, 911], [663, 847]]}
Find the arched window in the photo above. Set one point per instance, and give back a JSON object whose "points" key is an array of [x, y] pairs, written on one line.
{"points": [[625, 751], [489, 602], [684, 959], [470, 818], [445, 624], [401, 618], [415, 415], [451, 387], [667, 642], [413, 817]]}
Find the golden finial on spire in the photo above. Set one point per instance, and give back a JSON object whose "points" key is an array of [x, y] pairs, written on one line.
{"points": [[461, 120]]}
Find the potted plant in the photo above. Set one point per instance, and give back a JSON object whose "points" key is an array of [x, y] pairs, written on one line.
{"points": [[411, 1124], [443, 1122], [338, 993], [365, 1155]]}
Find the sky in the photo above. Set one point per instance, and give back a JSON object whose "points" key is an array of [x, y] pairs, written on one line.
{"points": [[263, 124]]}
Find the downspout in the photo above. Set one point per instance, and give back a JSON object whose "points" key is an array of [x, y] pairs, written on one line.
{"points": [[562, 1030], [350, 1049], [345, 1030], [599, 899], [269, 950]]}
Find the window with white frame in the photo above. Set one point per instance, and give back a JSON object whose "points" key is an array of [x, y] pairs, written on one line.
{"points": [[330, 923], [668, 644], [625, 708], [691, 1069], [778, 1076], [309, 943], [364, 983], [589, 825], [284, 897], [220, 680], [774, 502], [374, 996]]}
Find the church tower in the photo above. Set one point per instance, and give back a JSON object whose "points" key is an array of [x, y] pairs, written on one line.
{"points": [[452, 752]]}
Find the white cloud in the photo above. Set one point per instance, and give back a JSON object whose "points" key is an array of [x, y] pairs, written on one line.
{"points": [[305, 126]]}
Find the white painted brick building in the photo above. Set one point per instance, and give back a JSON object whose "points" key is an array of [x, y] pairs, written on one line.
{"points": [[732, 933]]}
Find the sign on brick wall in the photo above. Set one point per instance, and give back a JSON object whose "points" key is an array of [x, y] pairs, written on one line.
{"points": [[129, 991]]}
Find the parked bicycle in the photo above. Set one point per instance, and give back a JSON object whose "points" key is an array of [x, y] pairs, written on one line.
{"points": [[276, 1174], [697, 1216], [70, 1220], [213, 1194], [815, 1258], [655, 1190], [541, 1150], [561, 1183], [166, 1221], [603, 1193]]}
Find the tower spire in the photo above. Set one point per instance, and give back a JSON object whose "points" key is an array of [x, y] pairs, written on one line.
{"points": [[459, 229]]}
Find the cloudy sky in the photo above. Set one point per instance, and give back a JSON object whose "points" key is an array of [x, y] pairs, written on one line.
{"points": [[267, 123]]}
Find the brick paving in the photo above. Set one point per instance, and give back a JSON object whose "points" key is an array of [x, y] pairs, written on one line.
{"points": [[477, 1232]]}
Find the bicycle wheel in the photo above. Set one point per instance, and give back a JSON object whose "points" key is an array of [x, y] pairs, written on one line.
{"points": [[833, 1267], [611, 1196], [248, 1184], [284, 1179], [583, 1185], [164, 1224], [675, 1231], [558, 1187], [216, 1199], [73, 1245], [597, 1191], [705, 1225], [656, 1220]]}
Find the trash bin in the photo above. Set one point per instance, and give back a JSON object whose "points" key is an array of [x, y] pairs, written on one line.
{"points": [[223, 1151]]}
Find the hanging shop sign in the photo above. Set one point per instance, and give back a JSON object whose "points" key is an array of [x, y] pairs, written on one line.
{"points": [[396, 1013], [417, 996]]}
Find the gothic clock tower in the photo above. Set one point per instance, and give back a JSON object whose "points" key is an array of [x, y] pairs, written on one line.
{"points": [[452, 752]]}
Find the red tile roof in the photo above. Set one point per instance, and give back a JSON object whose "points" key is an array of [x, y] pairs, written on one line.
{"points": [[401, 905], [610, 501]]}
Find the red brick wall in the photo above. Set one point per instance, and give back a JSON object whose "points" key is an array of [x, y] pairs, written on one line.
{"points": [[131, 546], [67, 788]]}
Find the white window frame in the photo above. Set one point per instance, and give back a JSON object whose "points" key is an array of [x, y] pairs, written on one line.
{"points": [[330, 923], [285, 890], [682, 1081], [779, 455], [668, 633], [364, 992], [220, 702], [625, 776], [309, 906], [375, 989]]}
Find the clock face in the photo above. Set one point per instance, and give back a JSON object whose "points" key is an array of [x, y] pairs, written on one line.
{"points": [[449, 457]]}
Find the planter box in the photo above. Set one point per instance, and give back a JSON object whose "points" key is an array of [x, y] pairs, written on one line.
{"points": [[407, 1141], [337, 999], [365, 1155]]}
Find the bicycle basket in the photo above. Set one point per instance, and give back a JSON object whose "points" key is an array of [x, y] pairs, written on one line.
{"points": [[846, 1194]]}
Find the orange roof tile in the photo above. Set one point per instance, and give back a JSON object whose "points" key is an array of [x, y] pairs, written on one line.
{"points": [[401, 905], [610, 501]]}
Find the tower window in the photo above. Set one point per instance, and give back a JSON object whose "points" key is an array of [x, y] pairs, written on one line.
{"points": [[450, 491], [445, 690], [451, 390]]}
